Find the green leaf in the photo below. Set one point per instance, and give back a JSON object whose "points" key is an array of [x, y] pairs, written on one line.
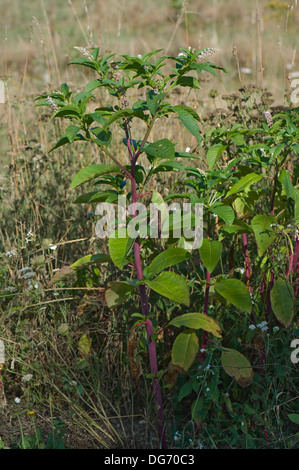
{"points": [[120, 244], [237, 365], [84, 345], [153, 100], [168, 166], [282, 301], [264, 235], [61, 275], [65, 140], [210, 253], [123, 113], [196, 320], [294, 417], [170, 285], [160, 149], [189, 118], [188, 81], [184, 349], [167, 258], [235, 292], [93, 171], [284, 179], [95, 196], [244, 183], [185, 390], [71, 132], [226, 213], [91, 259], [117, 293], [214, 152], [70, 110], [103, 137]]}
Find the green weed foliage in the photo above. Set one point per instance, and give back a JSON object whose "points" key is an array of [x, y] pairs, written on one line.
{"points": [[209, 327]]}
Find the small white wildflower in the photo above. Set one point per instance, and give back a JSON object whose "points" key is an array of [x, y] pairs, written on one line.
{"points": [[252, 327], [28, 275], [208, 367], [11, 253], [207, 389], [27, 377], [262, 324], [51, 102], [23, 270], [55, 270], [52, 247], [202, 350], [84, 52], [11, 289], [275, 328], [264, 328], [227, 395], [207, 52], [242, 270], [176, 436], [188, 149], [17, 400]]}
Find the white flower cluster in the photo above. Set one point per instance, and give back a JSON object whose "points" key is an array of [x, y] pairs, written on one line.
{"points": [[263, 326], [27, 274], [51, 102], [84, 52], [11, 253], [207, 52]]}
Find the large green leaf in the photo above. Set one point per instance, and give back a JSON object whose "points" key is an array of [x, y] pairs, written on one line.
{"points": [[237, 365], [170, 285], [184, 349], [264, 234], [196, 320], [235, 292], [160, 149], [210, 253], [93, 171], [282, 301], [214, 152], [120, 244], [91, 259], [226, 213], [167, 258], [244, 183], [190, 119], [117, 293]]}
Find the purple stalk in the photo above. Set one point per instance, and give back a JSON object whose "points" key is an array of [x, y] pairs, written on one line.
{"points": [[145, 311], [205, 311], [296, 265], [247, 261]]}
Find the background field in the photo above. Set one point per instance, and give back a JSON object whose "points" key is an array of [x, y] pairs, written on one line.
{"points": [[257, 42]]}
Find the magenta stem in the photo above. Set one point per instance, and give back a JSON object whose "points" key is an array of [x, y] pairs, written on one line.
{"points": [[148, 324], [205, 311]]}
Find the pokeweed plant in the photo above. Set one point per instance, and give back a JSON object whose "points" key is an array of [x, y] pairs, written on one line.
{"points": [[119, 76]]}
